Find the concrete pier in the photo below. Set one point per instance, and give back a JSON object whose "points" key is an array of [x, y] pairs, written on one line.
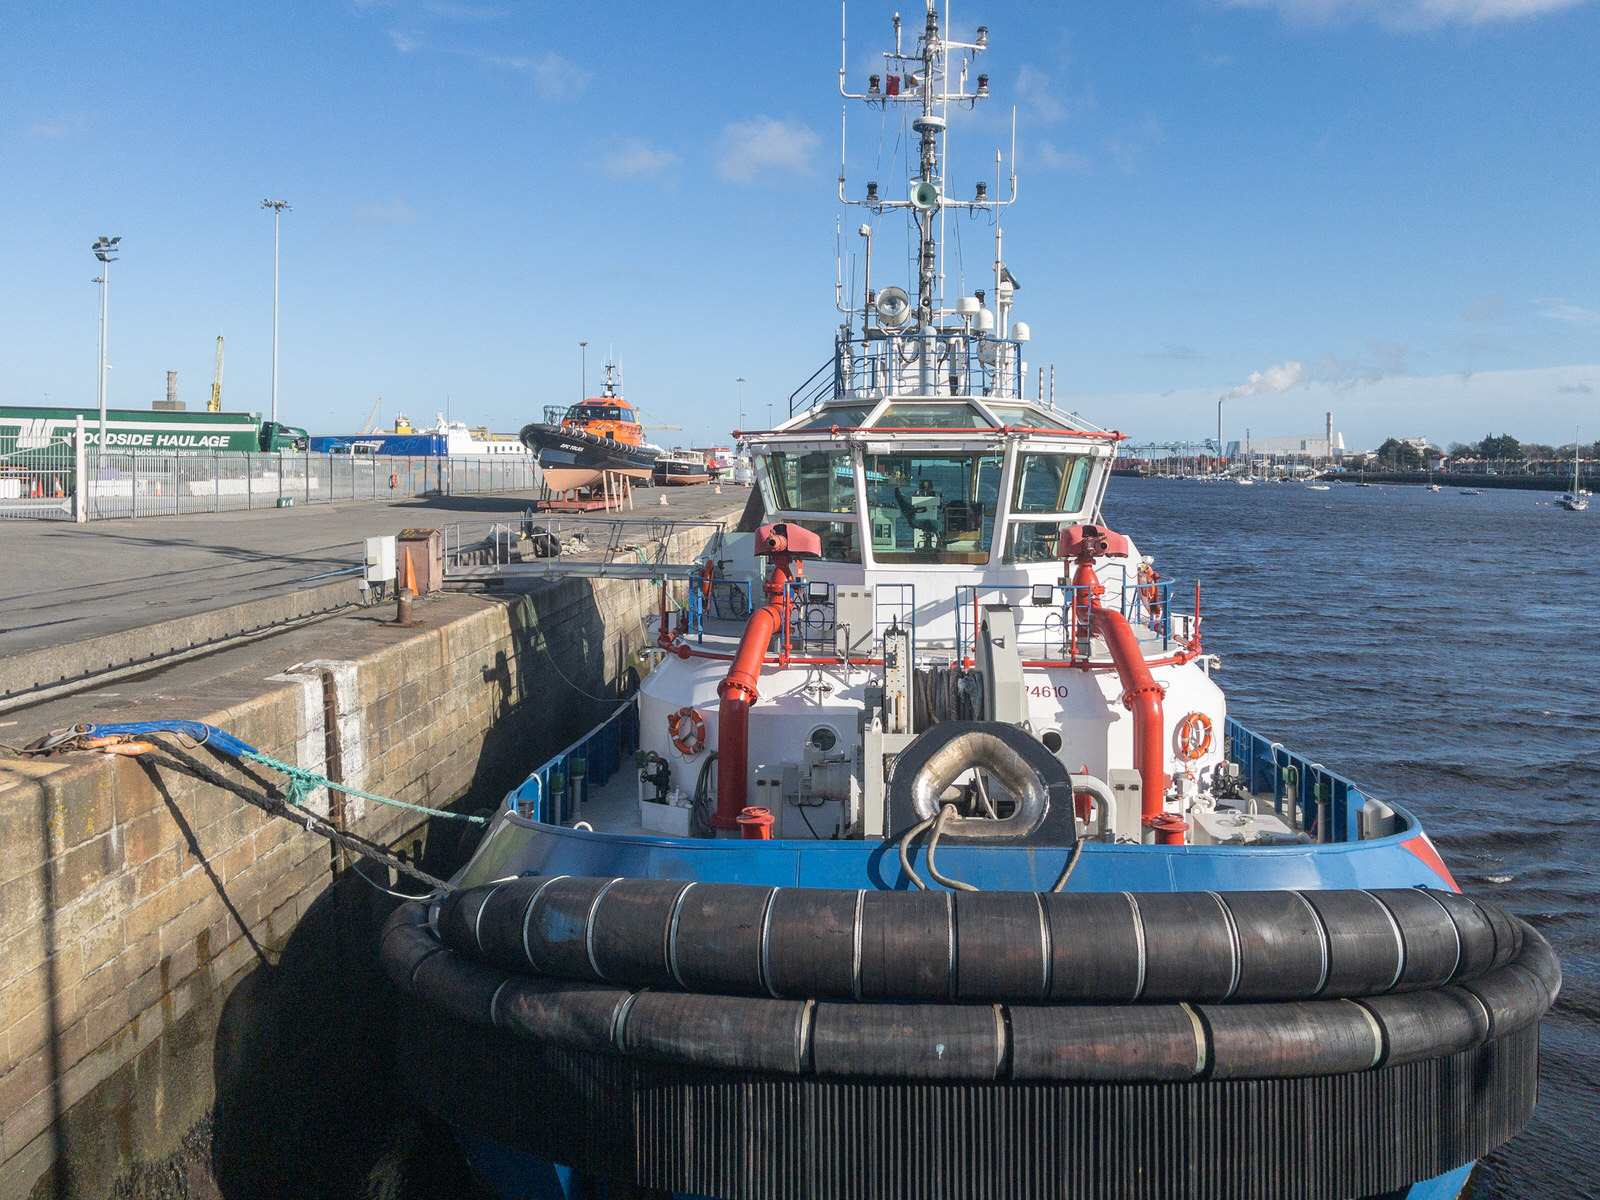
{"points": [[144, 908]]}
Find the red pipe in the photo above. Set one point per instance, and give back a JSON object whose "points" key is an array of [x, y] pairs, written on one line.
{"points": [[738, 691], [1141, 695]]}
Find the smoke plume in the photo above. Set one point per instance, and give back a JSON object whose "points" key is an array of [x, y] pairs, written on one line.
{"points": [[1273, 379]]}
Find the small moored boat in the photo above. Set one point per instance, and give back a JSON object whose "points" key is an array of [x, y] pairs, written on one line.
{"points": [[680, 468]]}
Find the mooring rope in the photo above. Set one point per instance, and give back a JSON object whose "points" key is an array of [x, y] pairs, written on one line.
{"points": [[290, 809], [303, 782]]}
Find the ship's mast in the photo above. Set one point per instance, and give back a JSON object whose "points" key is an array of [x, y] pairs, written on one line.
{"points": [[924, 80]]}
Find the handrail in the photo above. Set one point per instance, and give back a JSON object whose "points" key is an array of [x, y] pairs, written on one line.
{"points": [[816, 393], [1312, 797], [1062, 617], [600, 751]]}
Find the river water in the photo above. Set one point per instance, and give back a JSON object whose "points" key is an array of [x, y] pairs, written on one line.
{"points": [[1436, 648]]}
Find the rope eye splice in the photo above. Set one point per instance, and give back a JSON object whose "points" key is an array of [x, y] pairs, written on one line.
{"points": [[133, 739]]}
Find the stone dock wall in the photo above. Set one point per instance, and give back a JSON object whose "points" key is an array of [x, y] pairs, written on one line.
{"points": [[135, 899]]}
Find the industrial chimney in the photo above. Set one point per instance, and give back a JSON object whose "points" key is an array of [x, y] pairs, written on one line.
{"points": [[171, 403]]}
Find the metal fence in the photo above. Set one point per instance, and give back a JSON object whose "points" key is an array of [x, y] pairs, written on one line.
{"points": [[153, 485], [37, 478]]}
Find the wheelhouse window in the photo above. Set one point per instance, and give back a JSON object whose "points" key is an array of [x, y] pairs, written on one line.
{"points": [[839, 539], [598, 412], [1051, 483], [1030, 418], [932, 507], [810, 481], [1035, 541], [847, 417], [932, 416]]}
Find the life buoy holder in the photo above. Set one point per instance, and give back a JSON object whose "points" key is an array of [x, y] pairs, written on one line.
{"points": [[687, 728], [1148, 591], [394, 481], [1194, 736]]}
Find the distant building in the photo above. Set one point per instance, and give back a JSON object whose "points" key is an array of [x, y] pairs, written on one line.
{"points": [[1311, 445]]}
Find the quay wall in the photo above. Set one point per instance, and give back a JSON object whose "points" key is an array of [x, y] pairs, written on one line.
{"points": [[136, 899]]}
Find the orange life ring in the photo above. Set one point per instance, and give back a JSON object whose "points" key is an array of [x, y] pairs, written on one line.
{"points": [[708, 572], [687, 729], [1148, 578], [394, 481], [1194, 736]]}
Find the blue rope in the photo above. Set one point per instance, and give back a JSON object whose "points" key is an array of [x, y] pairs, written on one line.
{"points": [[195, 731]]}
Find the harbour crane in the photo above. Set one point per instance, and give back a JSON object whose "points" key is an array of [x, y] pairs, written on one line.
{"points": [[642, 413], [215, 403]]}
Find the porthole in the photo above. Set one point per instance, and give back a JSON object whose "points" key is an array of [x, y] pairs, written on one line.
{"points": [[1052, 740], [823, 738]]}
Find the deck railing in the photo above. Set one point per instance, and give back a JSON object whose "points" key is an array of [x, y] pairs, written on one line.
{"points": [[876, 367], [1306, 794], [1052, 619], [557, 787]]}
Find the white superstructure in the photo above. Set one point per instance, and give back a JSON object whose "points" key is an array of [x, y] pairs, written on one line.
{"points": [[961, 570]]}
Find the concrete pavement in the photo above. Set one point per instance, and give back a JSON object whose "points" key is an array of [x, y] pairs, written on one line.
{"points": [[62, 582]]}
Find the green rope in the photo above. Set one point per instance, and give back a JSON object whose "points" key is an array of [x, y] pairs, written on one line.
{"points": [[303, 782]]}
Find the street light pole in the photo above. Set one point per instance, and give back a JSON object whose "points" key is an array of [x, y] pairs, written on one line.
{"points": [[741, 402], [583, 371], [105, 250], [278, 207]]}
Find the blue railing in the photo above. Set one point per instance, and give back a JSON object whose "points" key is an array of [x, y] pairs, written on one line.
{"points": [[554, 791], [723, 599], [1308, 793]]}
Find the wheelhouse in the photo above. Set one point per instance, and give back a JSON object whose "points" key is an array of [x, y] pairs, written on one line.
{"points": [[912, 480]]}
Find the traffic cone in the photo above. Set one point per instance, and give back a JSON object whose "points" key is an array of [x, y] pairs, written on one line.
{"points": [[39, 491], [55, 482], [405, 592], [719, 489], [663, 499]]}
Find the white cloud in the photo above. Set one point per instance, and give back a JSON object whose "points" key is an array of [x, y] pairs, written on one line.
{"points": [[1034, 95], [1127, 150], [464, 12], [1061, 160], [554, 77], [1388, 359], [50, 128], [635, 157], [1408, 14], [748, 150], [1486, 309], [1571, 314], [398, 213]]}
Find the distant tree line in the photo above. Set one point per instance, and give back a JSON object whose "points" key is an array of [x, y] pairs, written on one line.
{"points": [[1500, 451]]}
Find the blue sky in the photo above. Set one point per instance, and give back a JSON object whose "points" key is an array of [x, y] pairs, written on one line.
{"points": [[1402, 196]]}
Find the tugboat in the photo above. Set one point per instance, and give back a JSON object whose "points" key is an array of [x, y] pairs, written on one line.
{"points": [[944, 871], [602, 434]]}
